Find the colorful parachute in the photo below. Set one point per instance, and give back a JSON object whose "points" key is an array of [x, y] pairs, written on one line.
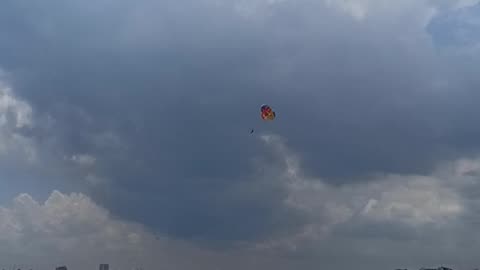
{"points": [[267, 113]]}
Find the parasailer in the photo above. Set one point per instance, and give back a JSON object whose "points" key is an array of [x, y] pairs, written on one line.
{"points": [[266, 113]]}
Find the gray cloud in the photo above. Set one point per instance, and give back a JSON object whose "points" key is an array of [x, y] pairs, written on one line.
{"points": [[458, 28], [147, 107], [393, 221]]}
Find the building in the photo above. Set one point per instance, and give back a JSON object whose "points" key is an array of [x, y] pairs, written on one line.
{"points": [[103, 267], [439, 268]]}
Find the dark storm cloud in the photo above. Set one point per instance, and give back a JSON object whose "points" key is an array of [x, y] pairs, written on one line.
{"points": [[184, 112], [180, 85]]}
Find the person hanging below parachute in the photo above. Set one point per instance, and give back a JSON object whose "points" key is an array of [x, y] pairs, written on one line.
{"points": [[266, 113]]}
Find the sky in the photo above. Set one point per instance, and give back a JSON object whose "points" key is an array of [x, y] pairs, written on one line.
{"points": [[125, 134]]}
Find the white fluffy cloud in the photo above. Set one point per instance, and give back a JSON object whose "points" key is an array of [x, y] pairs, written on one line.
{"points": [[72, 230], [427, 204], [65, 225], [15, 114]]}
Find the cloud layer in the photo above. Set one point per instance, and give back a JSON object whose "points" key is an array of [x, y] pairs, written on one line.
{"points": [[146, 108], [394, 221]]}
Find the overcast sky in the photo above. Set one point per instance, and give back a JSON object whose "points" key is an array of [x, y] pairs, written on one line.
{"points": [[125, 134]]}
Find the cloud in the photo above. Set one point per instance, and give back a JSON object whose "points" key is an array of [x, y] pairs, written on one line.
{"points": [[72, 230], [146, 109], [389, 211], [77, 232], [28, 160], [459, 27], [64, 225], [83, 159], [15, 115], [386, 216]]}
